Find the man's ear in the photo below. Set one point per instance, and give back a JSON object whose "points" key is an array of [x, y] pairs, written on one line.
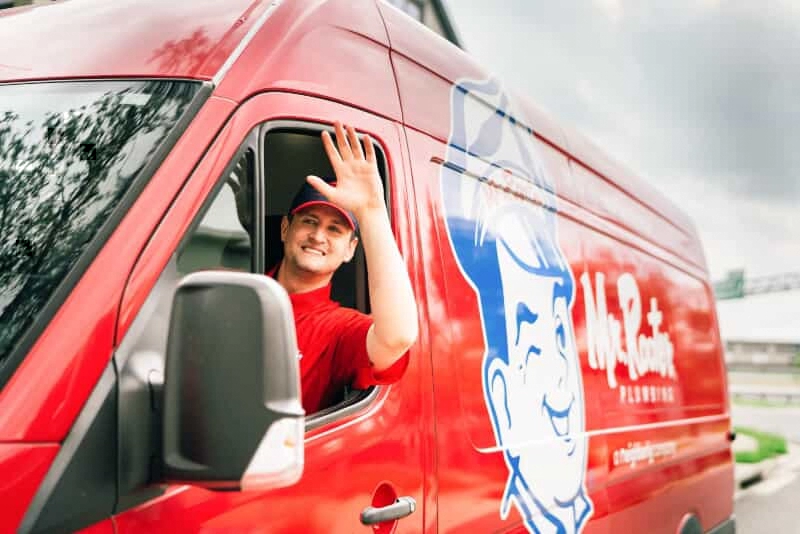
{"points": [[351, 249], [497, 391], [284, 227]]}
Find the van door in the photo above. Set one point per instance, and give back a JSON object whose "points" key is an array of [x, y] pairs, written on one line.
{"points": [[655, 356], [369, 449]]}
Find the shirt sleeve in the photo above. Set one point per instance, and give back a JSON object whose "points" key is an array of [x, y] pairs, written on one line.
{"points": [[352, 359]]}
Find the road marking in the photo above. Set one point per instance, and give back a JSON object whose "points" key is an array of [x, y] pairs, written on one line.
{"points": [[774, 484]]}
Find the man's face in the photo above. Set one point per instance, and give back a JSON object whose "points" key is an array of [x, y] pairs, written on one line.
{"points": [[317, 240], [542, 385]]}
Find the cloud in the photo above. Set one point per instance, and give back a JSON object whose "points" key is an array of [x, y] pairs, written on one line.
{"points": [[700, 97], [719, 81], [736, 232], [611, 8]]}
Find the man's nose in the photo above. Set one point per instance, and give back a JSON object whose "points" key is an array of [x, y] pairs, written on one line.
{"points": [[317, 234]]}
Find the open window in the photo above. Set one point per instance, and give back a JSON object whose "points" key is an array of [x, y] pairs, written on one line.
{"points": [[292, 151]]}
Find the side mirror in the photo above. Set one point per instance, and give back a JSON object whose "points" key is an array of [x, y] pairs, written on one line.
{"points": [[232, 412]]}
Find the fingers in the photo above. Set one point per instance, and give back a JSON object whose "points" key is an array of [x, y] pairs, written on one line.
{"points": [[355, 144], [320, 185], [347, 146], [370, 150], [341, 140], [330, 149]]}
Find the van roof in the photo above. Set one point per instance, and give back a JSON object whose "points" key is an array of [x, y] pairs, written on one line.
{"points": [[131, 38], [195, 38]]}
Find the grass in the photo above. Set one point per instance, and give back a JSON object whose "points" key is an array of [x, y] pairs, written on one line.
{"points": [[769, 445]]}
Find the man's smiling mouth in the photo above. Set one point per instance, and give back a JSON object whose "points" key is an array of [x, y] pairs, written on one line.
{"points": [[314, 251]]}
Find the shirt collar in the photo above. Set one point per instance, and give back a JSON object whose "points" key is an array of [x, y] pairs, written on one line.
{"points": [[308, 300], [302, 302]]}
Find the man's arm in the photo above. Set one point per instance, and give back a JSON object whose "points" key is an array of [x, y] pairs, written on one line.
{"points": [[359, 190], [394, 309]]}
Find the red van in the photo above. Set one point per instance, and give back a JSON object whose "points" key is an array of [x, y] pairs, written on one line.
{"points": [[568, 376]]}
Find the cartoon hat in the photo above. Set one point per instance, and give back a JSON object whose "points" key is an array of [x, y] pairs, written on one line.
{"points": [[307, 196]]}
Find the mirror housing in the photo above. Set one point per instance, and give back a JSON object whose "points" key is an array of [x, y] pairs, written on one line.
{"points": [[233, 418]]}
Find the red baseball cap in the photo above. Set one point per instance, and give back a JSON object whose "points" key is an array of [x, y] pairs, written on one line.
{"points": [[307, 196]]}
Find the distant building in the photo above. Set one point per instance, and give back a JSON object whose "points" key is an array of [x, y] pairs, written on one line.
{"points": [[761, 330]]}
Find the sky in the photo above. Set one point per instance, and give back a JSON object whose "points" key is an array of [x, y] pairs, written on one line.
{"points": [[699, 97]]}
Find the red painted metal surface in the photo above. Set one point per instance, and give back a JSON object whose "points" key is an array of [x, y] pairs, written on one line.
{"points": [[151, 38], [103, 527], [471, 481], [611, 224], [22, 468], [337, 49]]}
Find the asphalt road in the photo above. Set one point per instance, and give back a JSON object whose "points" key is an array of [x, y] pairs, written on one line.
{"points": [[771, 505]]}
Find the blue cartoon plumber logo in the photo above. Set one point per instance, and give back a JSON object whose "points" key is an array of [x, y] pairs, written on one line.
{"points": [[501, 221]]}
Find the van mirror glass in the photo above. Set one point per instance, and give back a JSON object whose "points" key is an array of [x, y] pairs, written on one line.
{"points": [[233, 418]]}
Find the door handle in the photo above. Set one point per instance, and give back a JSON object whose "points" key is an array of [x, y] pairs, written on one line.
{"points": [[402, 507]]}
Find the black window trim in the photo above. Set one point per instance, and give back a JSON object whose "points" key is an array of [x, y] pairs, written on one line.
{"points": [[249, 143]]}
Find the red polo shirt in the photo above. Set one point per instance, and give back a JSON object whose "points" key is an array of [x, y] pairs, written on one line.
{"points": [[333, 349]]}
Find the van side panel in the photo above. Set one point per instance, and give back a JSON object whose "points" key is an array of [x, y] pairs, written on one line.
{"points": [[589, 155], [650, 360], [651, 334], [639, 222]]}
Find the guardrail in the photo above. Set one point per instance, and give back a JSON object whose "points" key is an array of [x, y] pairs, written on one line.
{"points": [[749, 367], [769, 393]]}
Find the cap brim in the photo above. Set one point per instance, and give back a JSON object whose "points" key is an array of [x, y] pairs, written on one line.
{"points": [[343, 213]]}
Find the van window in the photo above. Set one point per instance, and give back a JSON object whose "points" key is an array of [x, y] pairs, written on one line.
{"points": [[290, 154], [222, 239], [69, 151]]}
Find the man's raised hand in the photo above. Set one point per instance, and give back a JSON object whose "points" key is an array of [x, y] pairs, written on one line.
{"points": [[358, 183]]}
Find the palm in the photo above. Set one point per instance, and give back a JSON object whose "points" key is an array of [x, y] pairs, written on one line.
{"points": [[358, 184]]}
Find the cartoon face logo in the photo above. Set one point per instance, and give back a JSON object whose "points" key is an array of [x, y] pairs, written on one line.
{"points": [[500, 217]]}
